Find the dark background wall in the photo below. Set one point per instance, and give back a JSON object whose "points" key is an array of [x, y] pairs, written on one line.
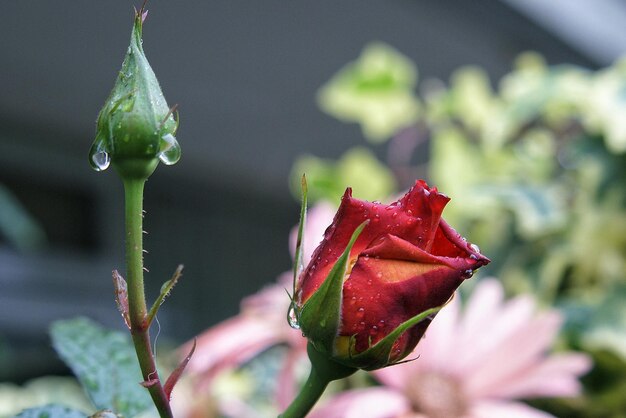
{"points": [[245, 75]]}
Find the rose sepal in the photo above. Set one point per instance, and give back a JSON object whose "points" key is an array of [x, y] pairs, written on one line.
{"points": [[378, 355], [298, 265], [319, 317]]}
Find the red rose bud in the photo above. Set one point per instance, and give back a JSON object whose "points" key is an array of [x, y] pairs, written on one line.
{"points": [[136, 127], [380, 275]]}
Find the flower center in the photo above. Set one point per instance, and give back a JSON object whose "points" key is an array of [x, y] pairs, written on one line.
{"points": [[436, 395]]}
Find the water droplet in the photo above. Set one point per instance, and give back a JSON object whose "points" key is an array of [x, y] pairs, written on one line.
{"points": [[292, 318], [170, 150], [99, 158], [394, 215], [379, 275], [475, 248], [467, 274]]}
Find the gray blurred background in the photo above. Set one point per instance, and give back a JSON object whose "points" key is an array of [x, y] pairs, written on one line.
{"points": [[244, 74]]}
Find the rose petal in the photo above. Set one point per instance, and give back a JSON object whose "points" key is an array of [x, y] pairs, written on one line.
{"points": [[393, 281], [414, 218]]}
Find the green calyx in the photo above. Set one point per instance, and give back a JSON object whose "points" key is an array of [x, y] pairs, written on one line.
{"points": [[135, 128], [319, 317]]}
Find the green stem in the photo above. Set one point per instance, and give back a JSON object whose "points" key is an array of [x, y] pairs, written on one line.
{"points": [[139, 325], [323, 371]]}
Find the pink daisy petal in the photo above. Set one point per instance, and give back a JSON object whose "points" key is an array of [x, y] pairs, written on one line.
{"points": [[502, 409], [512, 357], [376, 402], [231, 343], [482, 306], [555, 376], [505, 322], [435, 348]]}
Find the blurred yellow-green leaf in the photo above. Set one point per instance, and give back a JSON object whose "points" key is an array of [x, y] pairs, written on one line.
{"points": [[375, 91], [357, 168]]}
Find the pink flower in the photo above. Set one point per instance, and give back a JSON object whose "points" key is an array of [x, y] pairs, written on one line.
{"points": [[472, 365], [261, 323]]}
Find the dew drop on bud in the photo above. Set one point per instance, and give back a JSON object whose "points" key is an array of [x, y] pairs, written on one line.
{"points": [[292, 319], [99, 158], [170, 150], [467, 274], [475, 248]]}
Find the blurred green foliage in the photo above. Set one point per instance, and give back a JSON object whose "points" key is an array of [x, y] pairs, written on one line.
{"points": [[357, 168], [376, 91], [16, 225]]}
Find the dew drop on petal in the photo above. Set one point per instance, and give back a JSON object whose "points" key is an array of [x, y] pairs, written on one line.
{"points": [[467, 274], [292, 318], [475, 248], [170, 150], [99, 158]]}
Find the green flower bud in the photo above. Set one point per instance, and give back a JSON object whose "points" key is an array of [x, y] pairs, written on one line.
{"points": [[136, 127]]}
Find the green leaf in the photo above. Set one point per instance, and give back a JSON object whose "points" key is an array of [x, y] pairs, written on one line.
{"points": [[166, 288], [319, 317], [104, 362], [51, 411], [375, 91]]}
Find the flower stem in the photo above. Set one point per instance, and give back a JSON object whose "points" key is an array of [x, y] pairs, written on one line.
{"points": [[139, 326], [323, 371]]}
